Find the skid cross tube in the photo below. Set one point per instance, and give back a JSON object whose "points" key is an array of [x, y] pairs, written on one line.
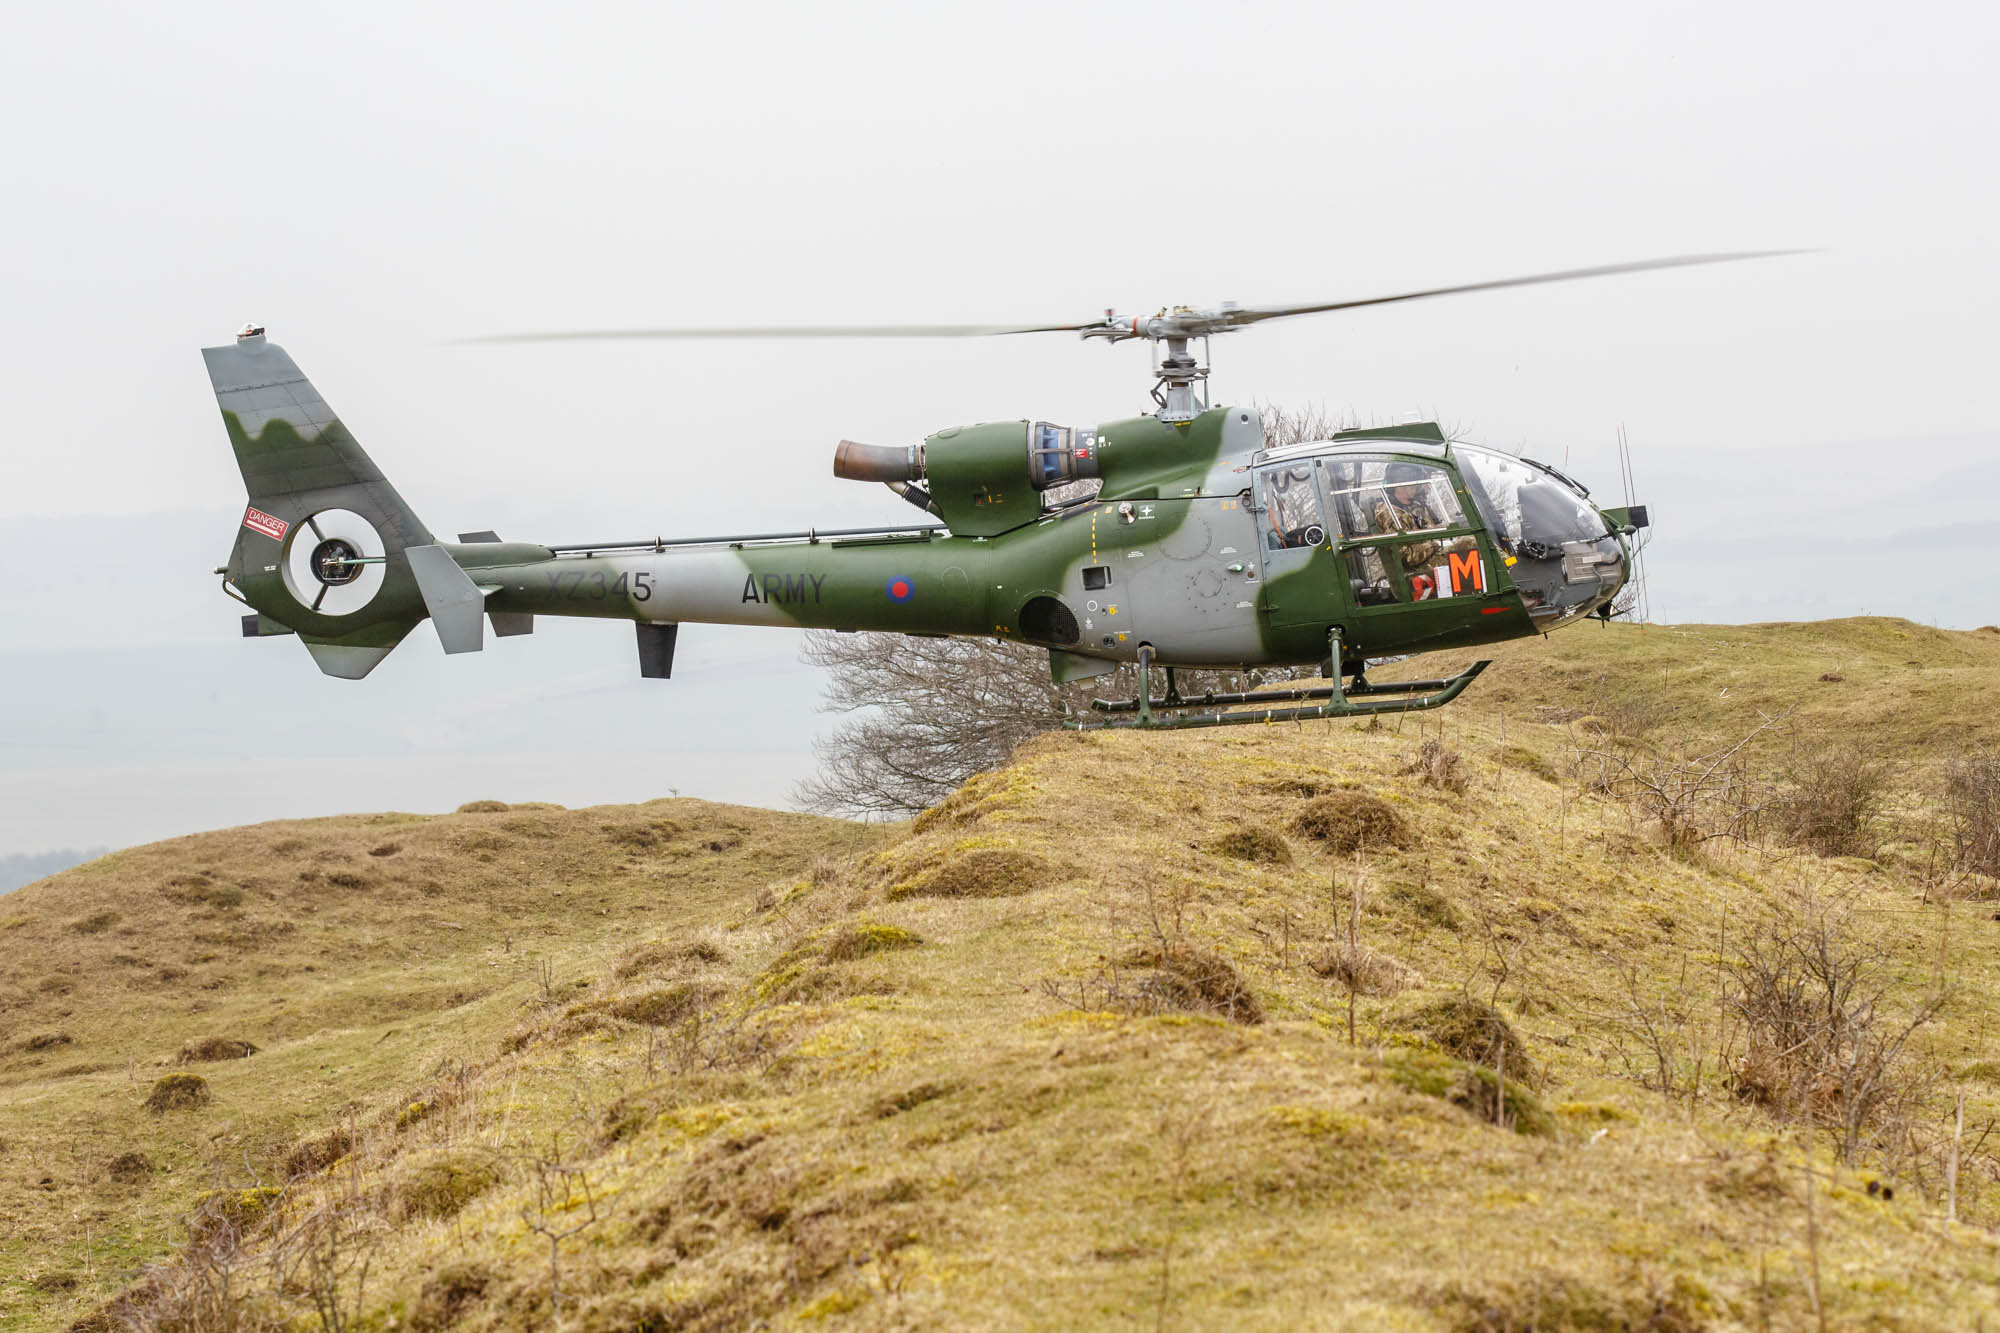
{"points": [[1408, 696]]}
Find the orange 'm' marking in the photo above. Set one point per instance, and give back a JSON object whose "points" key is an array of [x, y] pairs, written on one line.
{"points": [[1466, 569]]}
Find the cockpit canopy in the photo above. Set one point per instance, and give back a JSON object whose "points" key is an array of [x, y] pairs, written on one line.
{"points": [[1567, 563], [1560, 552]]}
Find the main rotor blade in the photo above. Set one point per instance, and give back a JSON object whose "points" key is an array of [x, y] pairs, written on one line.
{"points": [[1253, 314], [789, 331]]}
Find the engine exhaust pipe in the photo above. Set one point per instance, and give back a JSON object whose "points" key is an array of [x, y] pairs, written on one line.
{"points": [[875, 462]]}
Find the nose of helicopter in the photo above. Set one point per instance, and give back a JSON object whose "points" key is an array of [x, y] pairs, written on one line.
{"points": [[1562, 551]]}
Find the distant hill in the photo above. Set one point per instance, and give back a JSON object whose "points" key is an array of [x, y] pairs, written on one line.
{"points": [[1073, 1049], [18, 868]]}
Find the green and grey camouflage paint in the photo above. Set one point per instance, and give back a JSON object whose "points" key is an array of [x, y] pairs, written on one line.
{"points": [[1169, 556]]}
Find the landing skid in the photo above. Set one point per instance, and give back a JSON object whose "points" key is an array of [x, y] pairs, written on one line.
{"points": [[1404, 696]]}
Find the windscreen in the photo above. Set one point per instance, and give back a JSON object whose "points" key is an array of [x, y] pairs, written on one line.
{"points": [[1565, 560]]}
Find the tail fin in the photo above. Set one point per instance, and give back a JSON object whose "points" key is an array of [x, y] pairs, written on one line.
{"points": [[295, 455], [314, 551]]}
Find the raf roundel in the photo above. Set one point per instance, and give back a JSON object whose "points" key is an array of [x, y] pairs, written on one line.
{"points": [[900, 589]]}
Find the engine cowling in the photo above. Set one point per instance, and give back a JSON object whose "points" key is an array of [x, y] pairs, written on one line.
{"points": [[982, 479]]}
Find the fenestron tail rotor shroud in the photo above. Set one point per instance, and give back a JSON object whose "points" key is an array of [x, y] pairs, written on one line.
{"points": [[1177, 373]]}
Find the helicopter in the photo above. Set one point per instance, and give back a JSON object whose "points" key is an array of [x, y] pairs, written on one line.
{"points": [[1200, 548]]}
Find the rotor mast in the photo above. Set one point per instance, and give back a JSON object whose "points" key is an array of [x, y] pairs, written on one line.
{"points": [[1180, 382]]}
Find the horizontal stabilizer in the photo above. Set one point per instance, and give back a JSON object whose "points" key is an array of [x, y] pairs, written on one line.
{"points": [[456, 604]]}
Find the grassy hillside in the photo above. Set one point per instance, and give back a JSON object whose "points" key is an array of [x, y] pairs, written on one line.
{"points": [[1336, 1025]]}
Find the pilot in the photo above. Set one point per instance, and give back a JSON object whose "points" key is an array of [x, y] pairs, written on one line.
{"points": [[1408, 507]]}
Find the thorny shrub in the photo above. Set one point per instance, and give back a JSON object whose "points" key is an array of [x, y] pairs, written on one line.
{"points": [[1439, 765], [1826, 1039], [1972, 804], [1830, 794], [1693, 794]]}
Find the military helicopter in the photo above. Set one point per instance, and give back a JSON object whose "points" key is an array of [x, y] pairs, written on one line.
{"points": [[1200, 548]]}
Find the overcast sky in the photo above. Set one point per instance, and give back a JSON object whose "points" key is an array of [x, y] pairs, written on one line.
{"points": [[371, 181]]}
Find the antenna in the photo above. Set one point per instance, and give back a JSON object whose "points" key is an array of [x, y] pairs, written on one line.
{"points": [[1645, 597]]}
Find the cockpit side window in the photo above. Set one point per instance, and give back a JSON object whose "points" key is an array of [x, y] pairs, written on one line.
{"points": [[1292, 514], [1382, 496]]}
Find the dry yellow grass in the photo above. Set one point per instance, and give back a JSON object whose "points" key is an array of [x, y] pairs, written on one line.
{"points": [[1000, 1117]]}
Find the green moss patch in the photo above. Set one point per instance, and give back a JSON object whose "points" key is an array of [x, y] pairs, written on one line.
{"points": [[240, 1209], [859, 941], [440, 1185]]}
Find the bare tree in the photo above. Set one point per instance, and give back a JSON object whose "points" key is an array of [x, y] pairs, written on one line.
{"points": [[926, 714], [563, 1205]]}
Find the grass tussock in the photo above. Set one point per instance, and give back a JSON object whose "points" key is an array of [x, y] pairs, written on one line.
{"points": [[1462, 1027], [664, 955], [1523, 760], [316, 1153], [210, 1049], [451, 1293], [1186, 978], [1254, 843], [859, 941], [1425, 904], [178, 1092], [483, 808], [1365, 971], [1348, 821], [1556, 1302], [660, 1006], [130, 1168], [979, 797], [437, 1185], [986, 872]]}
